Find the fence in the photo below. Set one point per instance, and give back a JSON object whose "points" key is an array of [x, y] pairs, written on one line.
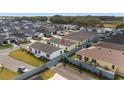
{"points": [[96, 70], [39, 69]]}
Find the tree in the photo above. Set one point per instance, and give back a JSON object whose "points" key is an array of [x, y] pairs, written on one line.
{"points": [[120, 26]]}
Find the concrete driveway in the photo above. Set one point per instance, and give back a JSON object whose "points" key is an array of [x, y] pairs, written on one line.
{"points": [[12, 63], [71, 74]]}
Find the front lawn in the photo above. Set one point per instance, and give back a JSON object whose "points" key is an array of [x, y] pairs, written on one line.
{"points": [[5, 46], [47, 74], [26, 57], [6, 74]]}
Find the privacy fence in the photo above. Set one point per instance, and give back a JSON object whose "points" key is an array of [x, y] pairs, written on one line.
{"points": [[97, 70]]}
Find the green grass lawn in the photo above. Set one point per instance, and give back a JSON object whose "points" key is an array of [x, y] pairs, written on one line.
{"points": [[6, 74], [5, 46], [26, 57], [73, 56]]}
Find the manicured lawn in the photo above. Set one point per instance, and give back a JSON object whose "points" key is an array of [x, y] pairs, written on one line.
{"points": [[26, 57], [47, 74], [5, 46], [6, 74]]}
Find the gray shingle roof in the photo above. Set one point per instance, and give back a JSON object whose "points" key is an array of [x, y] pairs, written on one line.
{"points": [[80, 36], [49, 49], [110, 45], [3, 37], [58, 41]]}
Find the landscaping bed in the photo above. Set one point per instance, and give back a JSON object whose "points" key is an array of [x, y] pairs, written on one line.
{"points": [[25, 56]]}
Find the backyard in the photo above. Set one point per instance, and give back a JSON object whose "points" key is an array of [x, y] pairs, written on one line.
{"points": [[26, 57], [7, 74]]}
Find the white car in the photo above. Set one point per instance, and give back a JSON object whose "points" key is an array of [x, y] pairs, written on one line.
{"points": [[22, 69]]}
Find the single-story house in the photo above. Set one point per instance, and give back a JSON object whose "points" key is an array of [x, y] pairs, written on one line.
{"points": [[45, 50], [67, 45], [104, 30], [44, 33], [82, 37], [105, 54], [4, 39], [117, 39], [20, 37]]}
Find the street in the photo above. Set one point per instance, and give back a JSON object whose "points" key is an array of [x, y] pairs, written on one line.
{"points": [[12, 63]]}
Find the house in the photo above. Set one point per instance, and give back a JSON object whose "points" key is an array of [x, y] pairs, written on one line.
{"points": [[19, 37], [45, 50], [104, 30], [4, 39], [67, 45], [43, 32], [82, 37], [105, 54], [117, 39]]}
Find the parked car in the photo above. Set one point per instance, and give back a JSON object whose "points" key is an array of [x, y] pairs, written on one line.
{"points": [[22, 69]]}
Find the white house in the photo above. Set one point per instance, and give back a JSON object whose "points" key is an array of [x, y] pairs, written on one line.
{"points": [[44, 50]]}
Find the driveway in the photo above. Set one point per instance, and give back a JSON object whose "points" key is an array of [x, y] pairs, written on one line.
{"points": [[71, 73], [12, 63]]}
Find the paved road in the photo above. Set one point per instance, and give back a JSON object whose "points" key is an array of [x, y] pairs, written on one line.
{"points": [[71, 73], [12, 63]]}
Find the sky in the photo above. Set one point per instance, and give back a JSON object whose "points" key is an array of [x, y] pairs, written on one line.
{"points": [[64, 14]]}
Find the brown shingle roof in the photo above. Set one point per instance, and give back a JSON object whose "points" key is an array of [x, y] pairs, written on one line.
{"points": [[80, 36], [103, 54], [111, 46]]}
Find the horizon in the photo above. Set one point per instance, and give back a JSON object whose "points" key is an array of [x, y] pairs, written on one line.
{"points": [[63, 14]]}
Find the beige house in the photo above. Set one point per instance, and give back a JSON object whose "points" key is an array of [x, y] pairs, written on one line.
{"points": [[80, 37], [105, 55], [67, 45]]}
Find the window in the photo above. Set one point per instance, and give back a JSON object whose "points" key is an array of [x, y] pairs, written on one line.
{"points": [[39, 52], [79, 57], [30, 49], [93, 60], [60, 52], [86, 58], [66, 48], [113, 66], [47, 55]]}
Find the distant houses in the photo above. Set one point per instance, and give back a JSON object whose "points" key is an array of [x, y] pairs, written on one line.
{"points": [[44, 50], [82, 37], [19, 37], [4, 39]]}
